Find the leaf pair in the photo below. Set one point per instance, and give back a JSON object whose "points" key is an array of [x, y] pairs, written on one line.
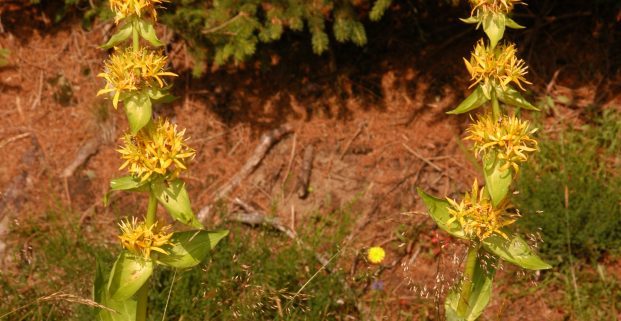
{"points": [[494, 25], [131, 272], [477, 98], [482, 279], [514, 249], [171, 194], [144, 28]]}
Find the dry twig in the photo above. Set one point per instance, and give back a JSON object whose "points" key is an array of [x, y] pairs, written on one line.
{"points": [[307, 166], [87, 150], [267, 141]]}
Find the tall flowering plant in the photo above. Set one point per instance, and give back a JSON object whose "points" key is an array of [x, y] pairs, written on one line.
{"points": [[502, 142], [154, 153]]}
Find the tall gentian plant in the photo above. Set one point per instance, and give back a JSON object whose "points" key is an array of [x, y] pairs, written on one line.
{"points": [[502, 142], [154, 154]]}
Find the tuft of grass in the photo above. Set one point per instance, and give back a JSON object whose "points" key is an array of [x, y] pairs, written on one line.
{"points": [[52, 269], [574, 185], [256, 274]]}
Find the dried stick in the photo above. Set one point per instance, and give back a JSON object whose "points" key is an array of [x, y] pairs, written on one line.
{"points": [[87, 150], [254, 217], [351, 140], [307, 166], [267, 141]]}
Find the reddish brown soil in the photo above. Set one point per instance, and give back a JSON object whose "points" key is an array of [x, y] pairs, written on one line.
{"points": [[363, 125]]}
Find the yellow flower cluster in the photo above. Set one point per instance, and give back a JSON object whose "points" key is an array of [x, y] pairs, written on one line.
{"points": [[126, 8], [509, 138], [128, 70], [141, 239], [477, 216], [161, 151], [496, 67], [493, 6]]}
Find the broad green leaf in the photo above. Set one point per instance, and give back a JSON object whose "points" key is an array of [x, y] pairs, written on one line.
{"points": [[128, 274], [479, 297], [160, 96], [513, 98], [128, 183], [125, 310], [190, 247], [510, 23], [138, 110], [438, 210], [475, 100], [497, 180], [514, 250], [120, 36], [494, 27], [147, 32], [174, 197]]}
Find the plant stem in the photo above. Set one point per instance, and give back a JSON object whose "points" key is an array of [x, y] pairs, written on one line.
{"points": [[495, 106], [466, 286], [151, 210], [135, 37], [143, 294]]}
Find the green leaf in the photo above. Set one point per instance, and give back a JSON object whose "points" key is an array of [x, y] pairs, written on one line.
{"points": [[128, 183], [128, 274], [138, 110], [494, 27], [125, 310], [99, 283], [120, 36], [474, 101], [497, 180], [513, 98], [438, 210], [510, 23], [147, 32], [175, 199], [515, 250], [479, 297], [190, 247], [160, 96], [470, 20]]}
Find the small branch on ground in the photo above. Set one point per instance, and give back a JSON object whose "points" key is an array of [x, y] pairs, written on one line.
{"points": [[268, 140], [307, 166], [254, 217], [86, 151]]}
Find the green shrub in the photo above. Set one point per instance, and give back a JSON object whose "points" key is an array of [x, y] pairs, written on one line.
{"points": [[575, 189]]}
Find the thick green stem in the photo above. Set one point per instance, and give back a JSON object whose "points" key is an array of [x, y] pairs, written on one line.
{"points": [[466, 285], [135, 37], [143, 294], [151, 210], [495, 106]]}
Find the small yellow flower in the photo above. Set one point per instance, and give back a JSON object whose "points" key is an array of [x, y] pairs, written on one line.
{"points": [[161, 150], [126, 8], [496, 68], [127, 71], [376, 254], [141, 239], [509, 139], [492, 6], [477, 216]]}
